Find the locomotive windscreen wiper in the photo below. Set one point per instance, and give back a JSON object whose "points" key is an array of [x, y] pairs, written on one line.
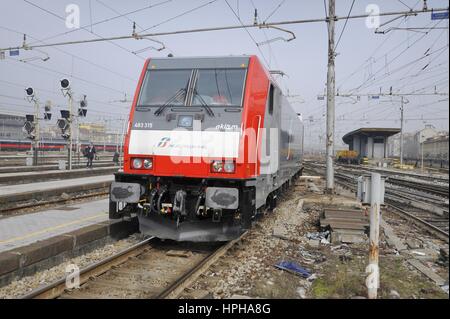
{"points": [[178, 94], [204, 104]]}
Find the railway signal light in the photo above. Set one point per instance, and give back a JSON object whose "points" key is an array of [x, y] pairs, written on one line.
{"points": [[47, 110], [82, 110], [29, 127], [65, 84], [29, 91], [64, 124]]}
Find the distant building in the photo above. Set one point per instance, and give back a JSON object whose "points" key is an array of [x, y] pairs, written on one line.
{"points": [[436, 148], [421, 136], [408, 145], [412, 142], [11, 126]]}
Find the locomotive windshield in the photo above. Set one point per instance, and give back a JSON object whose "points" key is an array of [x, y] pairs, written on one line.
{"points": [[204, 87], [219, 87], [165, 86]]}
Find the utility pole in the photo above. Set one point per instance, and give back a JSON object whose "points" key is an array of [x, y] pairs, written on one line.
{"points": [[331, 88], [401, 131], [71, 117], [32, 125], [373, 280], [38, 135], [403, 101]]}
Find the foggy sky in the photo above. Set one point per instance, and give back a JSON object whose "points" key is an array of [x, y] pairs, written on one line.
{"points": [[106, 72]]}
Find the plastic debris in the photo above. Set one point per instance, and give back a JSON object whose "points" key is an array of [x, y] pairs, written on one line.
{"points": [[301, 292], [445, 288], [419, 253], [294, 268], [318, 235]]}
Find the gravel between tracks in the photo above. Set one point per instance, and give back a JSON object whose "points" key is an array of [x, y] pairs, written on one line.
{"points": [[27, 284]]}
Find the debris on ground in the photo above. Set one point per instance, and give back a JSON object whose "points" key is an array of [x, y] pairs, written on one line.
{"points": [[293, 268], [292, 232]]}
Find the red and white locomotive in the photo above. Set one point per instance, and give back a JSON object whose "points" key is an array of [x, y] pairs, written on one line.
{"points": [[210, 142]]}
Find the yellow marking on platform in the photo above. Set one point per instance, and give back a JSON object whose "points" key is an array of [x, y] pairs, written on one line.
{"points": [[50, 229]]}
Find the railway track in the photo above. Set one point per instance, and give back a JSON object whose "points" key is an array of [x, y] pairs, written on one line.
{"points": [[401, 203], [148, 270], [430, 184]]}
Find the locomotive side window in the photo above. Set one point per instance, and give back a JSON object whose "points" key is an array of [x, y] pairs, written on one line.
{"points": [[271, 98], [165, 86], [219, 87]]}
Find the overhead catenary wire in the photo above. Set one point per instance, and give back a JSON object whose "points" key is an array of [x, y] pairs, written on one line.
{"points": [[106, 20], [345, 25], [84, 28], [364, 84], [122, 76], [179, 15], [274, 10], [222, 28], [163, 46], [249, 34]]}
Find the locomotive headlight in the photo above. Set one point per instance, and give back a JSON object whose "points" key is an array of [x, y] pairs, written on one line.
{"points": [[229, 167], [148, 163], [217, 166], [137, 163]]}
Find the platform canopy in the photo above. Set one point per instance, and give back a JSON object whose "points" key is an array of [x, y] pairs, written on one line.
{"points": [[370, 142], [370, 132]]}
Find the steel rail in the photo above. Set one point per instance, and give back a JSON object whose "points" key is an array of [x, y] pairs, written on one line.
{"points": [[57, 288], [344, 181], [174, 289], [421, 223]]}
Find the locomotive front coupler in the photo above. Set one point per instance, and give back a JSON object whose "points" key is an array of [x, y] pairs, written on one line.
{"points": [[217, 215]]}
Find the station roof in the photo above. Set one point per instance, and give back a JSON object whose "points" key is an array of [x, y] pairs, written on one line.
{"points": [[370, 131]]}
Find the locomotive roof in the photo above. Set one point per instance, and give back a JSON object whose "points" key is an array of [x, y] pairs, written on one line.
{"points": [[199, 62]]}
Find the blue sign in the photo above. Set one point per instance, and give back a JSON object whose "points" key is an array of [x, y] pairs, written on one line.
{"points": [[375, 97], [439, 15], [13, 52]]}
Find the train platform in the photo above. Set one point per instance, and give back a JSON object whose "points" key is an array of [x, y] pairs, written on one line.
{"points": [[48, 167], [37, 241], [28, 189], [16, 231], [28, 177], [22, 195]]}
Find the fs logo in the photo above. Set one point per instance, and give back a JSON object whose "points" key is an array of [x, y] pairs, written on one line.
{"points": [[164, 142]]}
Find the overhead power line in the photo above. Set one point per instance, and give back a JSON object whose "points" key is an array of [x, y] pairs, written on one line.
{"points": [[233, 27], [345, 24], [84, 28], [107, 20]]}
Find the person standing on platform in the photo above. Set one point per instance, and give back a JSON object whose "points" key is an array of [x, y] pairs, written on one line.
{"points": [[90, 154]]}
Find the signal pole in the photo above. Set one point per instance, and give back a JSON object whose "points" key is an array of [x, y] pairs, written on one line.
{"points": [[38, 136], [401, 130], [71, 117], [331, 88]]}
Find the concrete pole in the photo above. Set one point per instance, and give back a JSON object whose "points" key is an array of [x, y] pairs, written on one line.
{"points": [[78, 139], [71, 117], [331, 88], [373, 280], [421, 146], [401, 132], [38, 135]]}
